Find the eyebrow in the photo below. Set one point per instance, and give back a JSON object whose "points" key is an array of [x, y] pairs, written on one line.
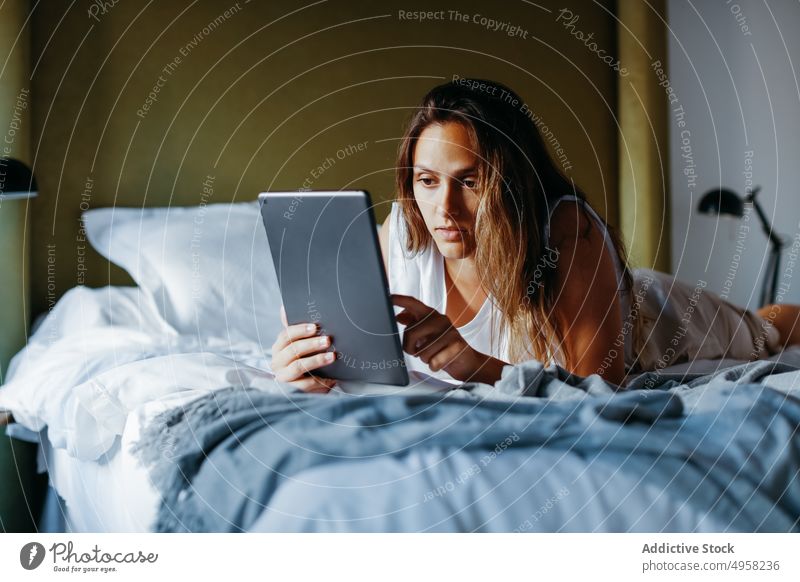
{"points": [[461, 172]]}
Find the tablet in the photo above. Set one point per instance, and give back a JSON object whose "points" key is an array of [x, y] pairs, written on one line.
{"points": [[327, 257]]}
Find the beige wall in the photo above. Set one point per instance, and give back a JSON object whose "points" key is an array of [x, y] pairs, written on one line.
{"points": [[260, 103]]}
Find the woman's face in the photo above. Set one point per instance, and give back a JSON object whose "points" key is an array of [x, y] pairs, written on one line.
{"points": [[446, 187]]}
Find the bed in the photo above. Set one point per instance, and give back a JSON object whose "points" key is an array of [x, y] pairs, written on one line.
{"points": [[156, 410]]}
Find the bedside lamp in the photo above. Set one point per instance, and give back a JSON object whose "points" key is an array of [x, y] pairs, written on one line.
{"points": [[16, 180], [722, 202]]}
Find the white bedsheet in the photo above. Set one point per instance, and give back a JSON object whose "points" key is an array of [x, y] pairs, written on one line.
{"points": [[112, 494], [102, 353]]}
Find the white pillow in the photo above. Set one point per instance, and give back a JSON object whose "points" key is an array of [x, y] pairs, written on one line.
{"points": [[208, 267]]}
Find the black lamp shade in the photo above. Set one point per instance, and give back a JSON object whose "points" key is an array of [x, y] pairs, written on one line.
{"points": [[721, 201], [16, 179]]}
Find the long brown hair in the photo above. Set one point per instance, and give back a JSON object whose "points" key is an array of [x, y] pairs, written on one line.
{"points": [[517, 184]]}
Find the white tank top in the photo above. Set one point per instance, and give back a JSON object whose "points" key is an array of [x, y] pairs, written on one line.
{"points": [[423, 277]]}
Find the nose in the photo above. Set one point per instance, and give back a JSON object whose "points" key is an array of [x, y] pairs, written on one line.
{"points": [[451, 198]]}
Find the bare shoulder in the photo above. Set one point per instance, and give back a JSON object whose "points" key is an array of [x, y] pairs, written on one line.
{"points": [[571, 226], [584, 258]]}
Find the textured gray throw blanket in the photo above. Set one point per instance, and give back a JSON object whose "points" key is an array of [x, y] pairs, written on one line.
{"points": [[234, 447]]}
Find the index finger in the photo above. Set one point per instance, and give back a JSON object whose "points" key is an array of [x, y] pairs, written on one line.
{"points": [[412, 304]]}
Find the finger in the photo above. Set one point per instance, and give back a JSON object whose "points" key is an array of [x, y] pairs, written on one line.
{"points": [[436, 344], [406, 318], [444, 357], [314, 384], [298, 368], [284, 321], [412, 304], [293, 332], [298, 349], [420, 334]]}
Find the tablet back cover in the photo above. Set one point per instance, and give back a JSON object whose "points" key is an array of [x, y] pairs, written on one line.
{"points": [[326, 255]]}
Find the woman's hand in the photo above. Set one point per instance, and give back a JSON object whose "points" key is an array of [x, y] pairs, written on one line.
{"points": [[433, 338], [299, 350]]}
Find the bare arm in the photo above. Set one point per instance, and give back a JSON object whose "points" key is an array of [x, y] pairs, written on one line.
{"points": [[587, 306]]}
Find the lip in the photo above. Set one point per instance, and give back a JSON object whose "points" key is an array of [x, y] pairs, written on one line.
{"points": [[451, 233]]}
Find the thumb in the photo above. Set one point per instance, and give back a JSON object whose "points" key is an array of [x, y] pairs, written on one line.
{"points": [[283, 317]]}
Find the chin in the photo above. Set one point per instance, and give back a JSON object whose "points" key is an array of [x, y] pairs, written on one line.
{"points": [[453, 250]]}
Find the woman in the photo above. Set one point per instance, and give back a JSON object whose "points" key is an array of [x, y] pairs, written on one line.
{"points": [[495, 258]]}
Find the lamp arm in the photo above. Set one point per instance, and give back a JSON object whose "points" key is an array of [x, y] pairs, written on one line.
{"points": [[765, 224]]}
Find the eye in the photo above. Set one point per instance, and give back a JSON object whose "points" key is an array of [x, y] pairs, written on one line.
{"points": [[426, 180], [470, 183]]}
